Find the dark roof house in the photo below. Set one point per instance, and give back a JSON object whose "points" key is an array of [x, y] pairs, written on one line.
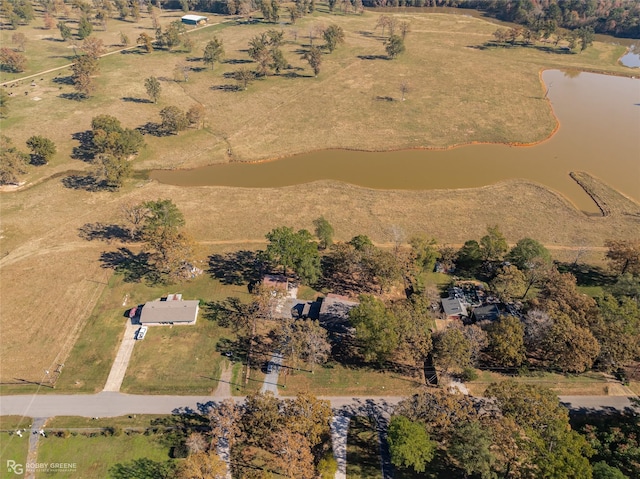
{"points": [[453, 308], [488, 312], [334, 312]]}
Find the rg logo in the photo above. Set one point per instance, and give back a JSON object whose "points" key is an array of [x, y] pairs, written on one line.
{"points": [[13, 466]]}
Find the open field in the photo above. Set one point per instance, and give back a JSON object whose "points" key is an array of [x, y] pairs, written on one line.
{"points": [[338, 380], [94, 456], [459, 93], [588, 384], [52, 279]]}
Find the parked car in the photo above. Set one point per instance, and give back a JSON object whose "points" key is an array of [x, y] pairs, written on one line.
{"points": [[141, 332]]}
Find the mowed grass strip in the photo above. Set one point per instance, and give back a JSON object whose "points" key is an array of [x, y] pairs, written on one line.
{"points": [[131, 421], [338, 380], [587, 384], [363, 450], [94, 456]]}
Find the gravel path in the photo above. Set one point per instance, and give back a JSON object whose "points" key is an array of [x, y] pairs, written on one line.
{"points": [[32, 455]]}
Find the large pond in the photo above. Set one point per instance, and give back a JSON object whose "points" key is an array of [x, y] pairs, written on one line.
{"points": [[599, 133]]}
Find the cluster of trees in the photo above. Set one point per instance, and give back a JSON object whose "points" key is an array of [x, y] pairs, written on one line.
{"points": [[14, 163], [521, 432], [264, 437], [544, 31], [300, 9], [614, 17], [17, 12], [110, 146], [167, 248], [397, 30], [12, 61]]}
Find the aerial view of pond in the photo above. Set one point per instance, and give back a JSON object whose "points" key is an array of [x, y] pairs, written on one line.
{"points": [[599, 133]]}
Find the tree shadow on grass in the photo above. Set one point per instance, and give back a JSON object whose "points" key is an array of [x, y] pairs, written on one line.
{"points": [[85, 151], [373, 57], [131, 99], [228, 88], [81, 182], [153, 129], [134, 267], [104, 232], [237, 61], [587, 275], [236, 268]]}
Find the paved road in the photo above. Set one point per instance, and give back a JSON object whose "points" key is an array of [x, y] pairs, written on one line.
{"points": [[110, 404]]}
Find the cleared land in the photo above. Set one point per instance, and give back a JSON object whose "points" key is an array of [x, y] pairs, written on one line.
{"points": [[52, 279], [94, 456]]}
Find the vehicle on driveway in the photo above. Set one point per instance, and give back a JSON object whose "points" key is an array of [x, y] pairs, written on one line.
{"points": [[141, 332]]}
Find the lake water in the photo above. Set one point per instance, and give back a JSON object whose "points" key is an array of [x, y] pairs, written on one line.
{"points": [[632, 57], [599, 133]]}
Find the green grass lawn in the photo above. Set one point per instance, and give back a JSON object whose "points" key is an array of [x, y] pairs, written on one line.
{"points": [[13, 448], [170, 359], [256, 379], [338, 380], [589, 383], [134, 420], [363, 456], [94, 456]]}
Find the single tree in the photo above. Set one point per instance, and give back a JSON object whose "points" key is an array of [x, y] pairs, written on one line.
{"points": [[404, 27], [477, 460], [375, 329], [451, 350], [309, 416], [323, 231], [20, 40], [213, 52], [506, 341], [493, 245], [293, 455], [296, 251], [394, 46], [146, 41], [525, 251], [333, 36], [153, 87], [12, 61], [409, 444], [111, 170], [93, 47], [314, 57], [173, 119], [244, 76], [259, 52], [202, 465], [278, 61], [83, 70], [13, 163], [196, 115], [124, 39], [624, 256], [84, 28], [404, 88], [42, 149], [65, 31], [509, 283]]}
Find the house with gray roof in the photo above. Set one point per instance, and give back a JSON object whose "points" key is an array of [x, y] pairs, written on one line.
{"points": [[170, 310], [453, 308]]}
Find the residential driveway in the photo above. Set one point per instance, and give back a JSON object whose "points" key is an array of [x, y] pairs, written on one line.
{"points": [[119, 367], [271, 379]]}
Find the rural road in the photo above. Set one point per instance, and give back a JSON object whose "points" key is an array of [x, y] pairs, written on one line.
{"points": [[111, 404]]}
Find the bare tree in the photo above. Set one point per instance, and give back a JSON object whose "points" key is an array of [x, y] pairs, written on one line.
{"points": [[404, 88]]}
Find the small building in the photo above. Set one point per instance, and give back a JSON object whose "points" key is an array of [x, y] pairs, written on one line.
{"points": [[453, 308], [170, 310], [488, 312], [194, 20]]}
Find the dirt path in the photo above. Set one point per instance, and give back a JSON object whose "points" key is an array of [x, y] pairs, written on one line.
{"points": [[224, 383]]}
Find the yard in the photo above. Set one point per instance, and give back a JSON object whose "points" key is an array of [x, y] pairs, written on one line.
{"points": [[94, 456], [587, 384], [335, 379]]}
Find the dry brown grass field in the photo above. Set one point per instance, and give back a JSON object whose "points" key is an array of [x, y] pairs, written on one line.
{"points": [[51, 279]]}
